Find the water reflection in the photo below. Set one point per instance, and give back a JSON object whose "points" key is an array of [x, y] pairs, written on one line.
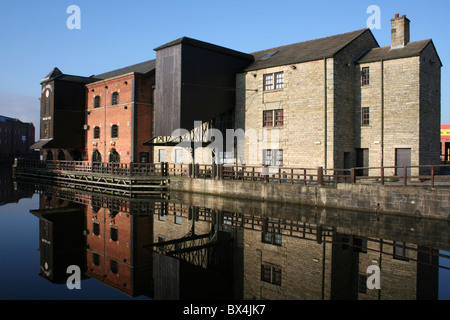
{"points": [[200, 247]]}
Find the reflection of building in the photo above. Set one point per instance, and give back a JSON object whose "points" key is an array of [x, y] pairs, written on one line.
{"points": [[445, 142], [61, 240], [8, 190], [179, 250], [16, 137]]}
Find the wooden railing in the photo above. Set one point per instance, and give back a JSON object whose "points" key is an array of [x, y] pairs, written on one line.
{"points": [[429, 174]]}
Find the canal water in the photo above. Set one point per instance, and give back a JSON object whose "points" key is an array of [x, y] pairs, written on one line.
{"points": [[65, 244]]}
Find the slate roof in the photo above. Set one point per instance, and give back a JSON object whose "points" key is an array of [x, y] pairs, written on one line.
{"points": [[143, 67], [304, 51], [386, 53], [57, 74]]}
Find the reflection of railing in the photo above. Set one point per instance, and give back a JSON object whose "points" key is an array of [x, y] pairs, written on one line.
{"points": [[431, 175]]}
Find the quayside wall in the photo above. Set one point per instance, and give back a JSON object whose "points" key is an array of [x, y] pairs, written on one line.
{"points": [[405, 200]]}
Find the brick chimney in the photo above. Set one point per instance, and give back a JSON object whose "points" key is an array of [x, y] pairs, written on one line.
{"points": [[399, 31]]}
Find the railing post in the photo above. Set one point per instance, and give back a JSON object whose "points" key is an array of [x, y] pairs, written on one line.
{"points": [[196, 169], [220, 169], [353, 176], [190, 170], [432, 176], [405, 176], [214, 171], [320, 176], [382, 175]]}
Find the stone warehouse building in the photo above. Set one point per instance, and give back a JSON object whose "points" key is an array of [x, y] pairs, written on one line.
{"points": [[342, 101], [336, 102]]}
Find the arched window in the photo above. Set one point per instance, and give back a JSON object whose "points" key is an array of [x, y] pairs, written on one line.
{"points": [[97, 102], [49, 155], [114, 131], [61, 155], [115, 98], [114, 156], [96, 156], [96, 132]]}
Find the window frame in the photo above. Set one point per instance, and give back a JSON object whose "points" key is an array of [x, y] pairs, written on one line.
{"points": [[96, 133], [271, 274], [271, 157], [365, 76], [273, 118], [273, 81], [114, 131], [97, 101], [365, 116], [114, 98]]}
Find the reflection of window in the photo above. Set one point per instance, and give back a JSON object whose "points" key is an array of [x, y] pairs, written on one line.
{"points": [[273, 157], [271, 274], [401, 250], [178, 219], [271, 235], [96, 228], [114, 266], [96, 258], [114, 234], [362, 283]]}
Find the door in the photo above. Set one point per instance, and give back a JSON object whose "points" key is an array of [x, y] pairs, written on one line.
{"points": [[402, 159], [362, 161]]}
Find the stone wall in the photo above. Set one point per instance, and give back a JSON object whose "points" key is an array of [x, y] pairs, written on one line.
{"points": [[419, 202]]}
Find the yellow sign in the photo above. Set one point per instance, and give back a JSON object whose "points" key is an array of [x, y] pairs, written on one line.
{"points": [[445, 132]]}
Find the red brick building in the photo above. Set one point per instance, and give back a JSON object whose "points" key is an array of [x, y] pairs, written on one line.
{"points": [[119, 115], [16, 137]]}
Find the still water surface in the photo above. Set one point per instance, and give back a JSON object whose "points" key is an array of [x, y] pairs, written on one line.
{"points": [[186, 246]]}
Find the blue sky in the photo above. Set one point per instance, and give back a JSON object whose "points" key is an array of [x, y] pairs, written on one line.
{"points": [[34, 37]]}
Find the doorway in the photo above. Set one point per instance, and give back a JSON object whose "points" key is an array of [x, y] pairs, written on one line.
{"points": [[362, 161], [402, 159]]}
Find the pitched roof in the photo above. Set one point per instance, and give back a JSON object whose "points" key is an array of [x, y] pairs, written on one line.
{"points": [[57, 74], [303, 51], [386, 53], [143, 67]]}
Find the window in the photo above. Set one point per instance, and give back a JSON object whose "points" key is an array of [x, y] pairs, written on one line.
{"points": [[271, 274], [273, 81], [365, 116], [273, 118], [162, 155], [178, 155], [365, 76], [97, 102], [114, 233], [114, 131], [115, 98], [96, 156], [47, 106], [114, 156], [96, 132], [273, 157]]}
